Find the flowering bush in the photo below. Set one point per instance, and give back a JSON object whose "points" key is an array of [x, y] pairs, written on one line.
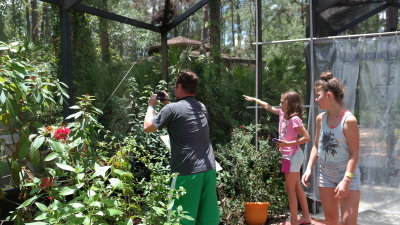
{"points": [[62, 133], [83, 184], [29, 96]]}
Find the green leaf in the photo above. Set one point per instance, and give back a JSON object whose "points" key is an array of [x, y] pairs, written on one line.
{"points": [[75, 143], [28, 202], [75, 115], [75, 107], [37, 142], [80, 176], [41, 216], [58, 147], [3, 47], [77, 205], [120, 172], [100, 170], [187, 217], [130, 222], [113, 212], [15, 170], [34, 155], [69, 190], [51, 156], [24, 147], [65, 167], [41, 206], [37, 223], [3, 97], [96, 204], [87, 221], [159, 211], [116, 183]]}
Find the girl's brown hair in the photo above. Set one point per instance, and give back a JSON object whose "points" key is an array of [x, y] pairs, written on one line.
{"points": [[328, 83], [294, 104]]}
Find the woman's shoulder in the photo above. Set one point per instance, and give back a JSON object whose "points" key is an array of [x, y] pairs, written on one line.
{"points": [[320, 117], [350, 119], [296, 118]]}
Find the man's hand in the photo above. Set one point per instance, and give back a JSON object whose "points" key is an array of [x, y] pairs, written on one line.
{"points": [[152, 100], [166, 96], [147, 124]]}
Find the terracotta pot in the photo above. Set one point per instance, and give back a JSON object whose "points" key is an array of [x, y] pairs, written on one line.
{"points": [[256, 213]]}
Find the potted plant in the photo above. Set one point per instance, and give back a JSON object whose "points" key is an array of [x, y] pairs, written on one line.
{"points": [[251, 176]]}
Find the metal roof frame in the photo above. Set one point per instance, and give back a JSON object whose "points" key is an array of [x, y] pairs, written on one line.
{"points": [[65, 17]]}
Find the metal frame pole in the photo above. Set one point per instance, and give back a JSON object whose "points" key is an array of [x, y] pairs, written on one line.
{"points": [[321, 39], [164, 55], [258, 64], [66, 58], [312, 71]]}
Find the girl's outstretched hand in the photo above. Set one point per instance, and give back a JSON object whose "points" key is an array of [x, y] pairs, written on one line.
{"points": [[248, 98], [305, 177]]}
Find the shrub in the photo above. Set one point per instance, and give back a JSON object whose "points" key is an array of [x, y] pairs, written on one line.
{"points": [[249, 175]]}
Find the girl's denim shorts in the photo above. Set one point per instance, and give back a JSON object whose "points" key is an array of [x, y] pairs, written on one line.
{"points": [[331, 173]]}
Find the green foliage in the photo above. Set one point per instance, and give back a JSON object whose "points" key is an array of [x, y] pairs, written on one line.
{"points": [[249, 175], [91, 182], [29, 98]]}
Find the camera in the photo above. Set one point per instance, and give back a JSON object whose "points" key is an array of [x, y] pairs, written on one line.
{"points": [[160, 96]]}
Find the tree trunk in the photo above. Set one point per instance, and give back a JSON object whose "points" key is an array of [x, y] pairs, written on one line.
{"points": [[215, 31], [232, 24], [44, 24], [14, 18], [252, 29], [28, 22], [239, 25], [104, 36], [204, 29], [392, 19], [187, 21], [35, 21], [3, 36]]}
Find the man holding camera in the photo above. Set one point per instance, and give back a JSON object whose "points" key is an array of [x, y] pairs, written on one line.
{"points": [[192, 155]]}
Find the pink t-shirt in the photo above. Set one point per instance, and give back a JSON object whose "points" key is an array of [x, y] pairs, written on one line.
{"points": [[288, 132]]}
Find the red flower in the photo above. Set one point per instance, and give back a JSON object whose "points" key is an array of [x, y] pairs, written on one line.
{"points": [[62, 133], [50, 197], [47, 182]]}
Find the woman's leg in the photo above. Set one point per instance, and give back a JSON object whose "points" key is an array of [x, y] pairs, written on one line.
{"points": [[303, 203], [290, 182], [349, 208], [330, 205]]}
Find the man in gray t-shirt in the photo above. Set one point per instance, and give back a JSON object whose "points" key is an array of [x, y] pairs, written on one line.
{"points": [[186, 122], [192, 155]]}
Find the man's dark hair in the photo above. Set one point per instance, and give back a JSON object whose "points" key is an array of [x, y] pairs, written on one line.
{"points": [[188, 80]]}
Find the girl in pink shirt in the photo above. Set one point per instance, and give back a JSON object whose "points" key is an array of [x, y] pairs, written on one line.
{"points": [[291, 134]]}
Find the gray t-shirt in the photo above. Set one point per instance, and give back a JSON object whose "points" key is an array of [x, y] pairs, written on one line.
{"points": [[187, 125]]}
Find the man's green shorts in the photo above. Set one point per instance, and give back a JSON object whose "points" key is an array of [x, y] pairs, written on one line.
{"points": [[200, 200]]}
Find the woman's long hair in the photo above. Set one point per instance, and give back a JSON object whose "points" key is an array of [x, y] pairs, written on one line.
{"points": [[294, 104]]}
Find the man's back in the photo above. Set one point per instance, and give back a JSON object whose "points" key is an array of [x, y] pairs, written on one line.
{"points": [[187, 125]]}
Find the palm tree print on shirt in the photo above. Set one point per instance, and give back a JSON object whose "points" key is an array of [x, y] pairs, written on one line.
{"points": [[329, 143]]}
